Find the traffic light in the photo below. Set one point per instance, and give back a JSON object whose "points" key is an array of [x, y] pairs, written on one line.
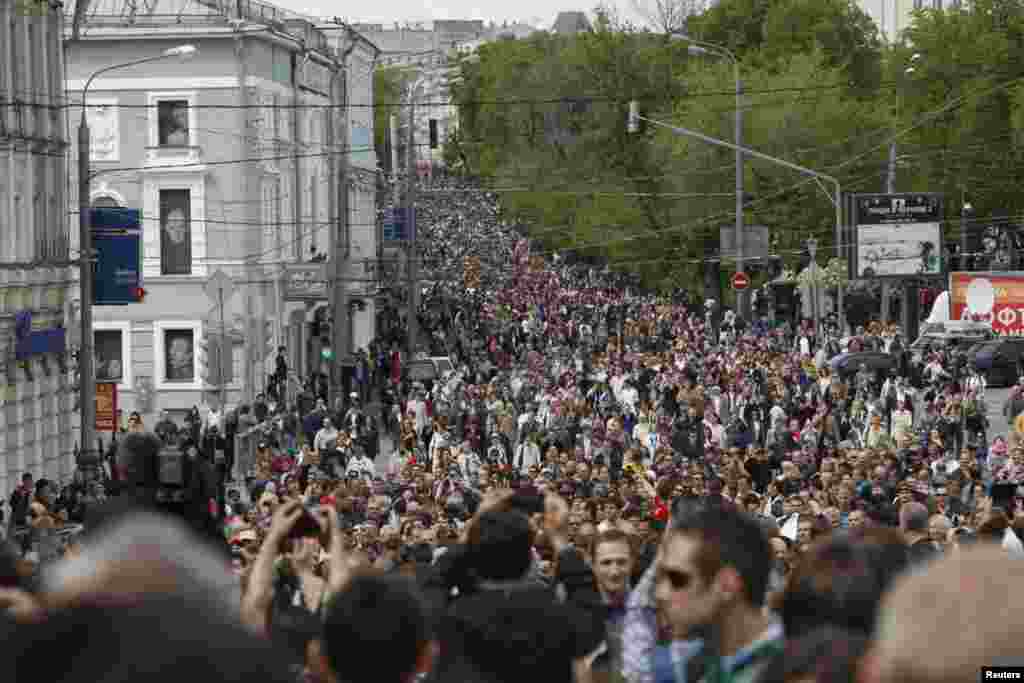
{"points": [[216, 359], [433, 133]]}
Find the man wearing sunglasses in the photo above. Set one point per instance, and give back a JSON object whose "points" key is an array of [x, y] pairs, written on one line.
{"points": [[711, 581]]}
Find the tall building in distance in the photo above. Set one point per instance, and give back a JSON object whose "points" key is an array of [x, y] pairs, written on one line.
{"points": [[894, 16], [37, 397], [428, 51]]}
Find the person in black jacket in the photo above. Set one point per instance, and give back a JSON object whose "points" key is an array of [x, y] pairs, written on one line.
{"points": [[504, 624]]}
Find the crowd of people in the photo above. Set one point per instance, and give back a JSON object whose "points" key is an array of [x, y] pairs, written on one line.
{"points": [[609, 484]]}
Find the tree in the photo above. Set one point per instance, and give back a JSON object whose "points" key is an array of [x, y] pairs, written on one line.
{"points": [[964, 61], [389, 84], [767, 32], [668, 16]]}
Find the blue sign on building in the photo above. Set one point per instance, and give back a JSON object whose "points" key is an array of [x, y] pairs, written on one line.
{"points": [[117, 239], [30, 342], [396, 225]]}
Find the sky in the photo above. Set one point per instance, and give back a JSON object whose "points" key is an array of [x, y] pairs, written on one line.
{"points": [[540, 13]]}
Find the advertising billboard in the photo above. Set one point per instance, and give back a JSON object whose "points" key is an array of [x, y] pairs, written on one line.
{"points": [[996, 298], [117, 239], [897, 235], [106, 407]]}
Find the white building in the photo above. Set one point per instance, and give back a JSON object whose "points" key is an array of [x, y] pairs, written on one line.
{"points": [[37, 399], [233, 157], [429, 51]]}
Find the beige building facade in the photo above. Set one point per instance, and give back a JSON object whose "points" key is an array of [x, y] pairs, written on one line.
{"points": [[37, 397]]}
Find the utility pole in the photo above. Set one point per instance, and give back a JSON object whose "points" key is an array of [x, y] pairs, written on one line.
{"points": [[890, 188], [89, 457], [410, 205], [222, 339], [743, 300]]}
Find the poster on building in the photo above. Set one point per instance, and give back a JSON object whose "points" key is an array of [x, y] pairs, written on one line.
{"points": [[995, 298], [117, 238], [898, 235], [106, 407]]}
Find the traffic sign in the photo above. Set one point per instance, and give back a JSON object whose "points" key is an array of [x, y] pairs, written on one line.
{"points": [[740, 281], [220, 287]]}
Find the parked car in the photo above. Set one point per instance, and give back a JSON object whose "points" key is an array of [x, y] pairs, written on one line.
{"points": [[950, 335], [427, 369], [999, 360], [847, 364]]}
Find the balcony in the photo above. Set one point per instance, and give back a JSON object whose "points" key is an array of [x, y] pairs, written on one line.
{"points": [[173, 155]]}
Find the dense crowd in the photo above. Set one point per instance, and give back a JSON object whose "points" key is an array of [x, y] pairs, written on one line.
{"points": [[608, 485]]}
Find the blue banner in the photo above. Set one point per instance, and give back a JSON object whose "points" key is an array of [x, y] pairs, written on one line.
{"points": [[395, 225], [117, 239]]}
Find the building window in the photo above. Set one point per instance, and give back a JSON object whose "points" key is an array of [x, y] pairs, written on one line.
{"points": [[112, 351], [179, 356], [173, 123], [105, 203], [109, 349], [175, 232]]}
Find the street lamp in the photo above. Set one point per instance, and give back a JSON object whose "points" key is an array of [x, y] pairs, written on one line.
{"points": [[86, 361], [698, 47], [410, 201], [812, 249]]}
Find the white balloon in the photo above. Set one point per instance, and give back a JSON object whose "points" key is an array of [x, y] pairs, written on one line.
{"points": [[981, 296]]}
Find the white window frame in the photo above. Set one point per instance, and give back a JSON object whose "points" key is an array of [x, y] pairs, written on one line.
{"points": [[160, 382], [186, 179], [155, 98], [113, 103], [125, 328], [104, 191]]}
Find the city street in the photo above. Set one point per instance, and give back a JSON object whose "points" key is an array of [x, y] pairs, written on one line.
{"points": [[994, 400]]}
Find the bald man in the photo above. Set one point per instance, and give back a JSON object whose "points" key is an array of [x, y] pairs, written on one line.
{"points": [[944, 623], [914, 525]]}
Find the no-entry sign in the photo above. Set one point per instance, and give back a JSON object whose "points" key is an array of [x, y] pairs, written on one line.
{"points": [[740, 281]]}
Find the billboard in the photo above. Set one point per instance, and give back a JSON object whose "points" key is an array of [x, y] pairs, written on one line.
{"points": [[897, 235], [305, 282], [117, 239], [996, 298], [106, 407]]}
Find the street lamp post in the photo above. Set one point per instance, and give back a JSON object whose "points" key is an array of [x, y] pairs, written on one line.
{"points": [[410, 203], [698, 47], [835, 197], [88, 458], [812, 249]]}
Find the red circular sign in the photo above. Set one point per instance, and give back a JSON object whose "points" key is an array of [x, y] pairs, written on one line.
{"points": [[740, 281]]}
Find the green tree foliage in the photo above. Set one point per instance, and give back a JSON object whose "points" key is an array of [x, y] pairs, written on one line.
{"points": [[543, 122], [771, 31], [969, 64], [389, 84]]}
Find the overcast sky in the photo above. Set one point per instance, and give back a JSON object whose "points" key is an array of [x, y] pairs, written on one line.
{"points": [[541, 13]]}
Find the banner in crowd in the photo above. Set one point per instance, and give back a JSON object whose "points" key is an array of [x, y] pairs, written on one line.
{"points": [[1000, 298]]}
